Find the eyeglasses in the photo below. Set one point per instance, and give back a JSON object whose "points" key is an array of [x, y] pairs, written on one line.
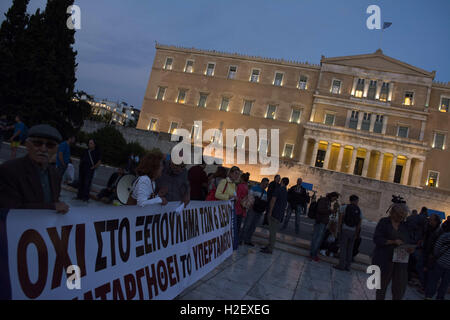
{"points": [[40, 143]]}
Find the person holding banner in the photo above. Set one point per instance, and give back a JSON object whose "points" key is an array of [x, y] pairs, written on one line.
{"points": [[144, 187], [29, 182]]}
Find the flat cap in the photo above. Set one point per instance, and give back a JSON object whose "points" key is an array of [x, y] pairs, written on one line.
{"points": [[45, 131]]}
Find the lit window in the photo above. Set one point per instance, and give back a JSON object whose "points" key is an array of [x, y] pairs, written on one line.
{"points": [[336, 86], [152, 125], [353, 124], [295, 116], [224, 104], [302, 82], [384, 91], [445, 103], [168, 65], [173, 128], [232, 72], [403, 132], [278, 81], [408, 101], [329, 119], [161, 93], [288, 150], [202, 100], [189, 66], [433, 178], [439, 140], [247, 107], [359, 88], [210, 69], [255, 76], [182, 96], [271, 109]]}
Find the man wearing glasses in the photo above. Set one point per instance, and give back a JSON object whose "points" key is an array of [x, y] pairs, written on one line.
{"points": [[29, 182]]}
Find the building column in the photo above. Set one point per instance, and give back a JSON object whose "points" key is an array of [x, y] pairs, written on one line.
{"points": [[379, 85], [304, 149], [379, 166], [347, 120], [340, 157], [313, 112], [352, 163], [373, 117], [385, 120], [418, 173], [366, 163], [391, 90], [392, 169], [366, 88], [326, 161], [406, 172], [360, 119], [314, 153], [355, 82], [422, 130]]}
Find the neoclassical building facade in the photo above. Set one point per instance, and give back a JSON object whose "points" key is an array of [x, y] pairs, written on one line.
{"points": [[368, 115]]}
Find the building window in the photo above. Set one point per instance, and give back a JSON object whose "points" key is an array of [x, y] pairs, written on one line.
{"points": [[445, 103], [152, 125], [295, 116], [247, 107], [278, 81], [232, 72], [433, 179], [210, 69], [371, 93], [168, 65], [271, 110], [336, 86], [161, 93], [173, 128], [408, 100], [224, 104], [365, 125], [353, 124], [402, 132], [182, 96], [378, 126], [329, 119], [384, 91], [202, 100], [288, 150], [439, 141], [302, 82], [195, 131], [254, 76], [189, 66], [359, 88]]}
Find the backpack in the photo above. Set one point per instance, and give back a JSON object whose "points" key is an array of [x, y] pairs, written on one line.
{"points": [[312, 211], [260, 205], [352, 216]]}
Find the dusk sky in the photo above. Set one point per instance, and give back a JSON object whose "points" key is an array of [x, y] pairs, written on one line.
{"points": [[116, 43]]}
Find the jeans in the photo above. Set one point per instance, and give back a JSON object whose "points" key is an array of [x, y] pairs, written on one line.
{"points": [[274, 225], [84, 183], [317, 238], [298, 211], [239, 219], [251, 221], [346, 243], [436, 273]]}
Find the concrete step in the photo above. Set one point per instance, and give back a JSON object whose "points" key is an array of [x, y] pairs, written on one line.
{"points": [[301, 247]]}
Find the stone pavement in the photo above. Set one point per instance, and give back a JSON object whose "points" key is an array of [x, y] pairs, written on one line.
{"points": [[251, 275]]}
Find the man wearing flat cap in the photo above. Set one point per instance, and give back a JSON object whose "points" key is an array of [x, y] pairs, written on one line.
{"points": [[29, 182]]}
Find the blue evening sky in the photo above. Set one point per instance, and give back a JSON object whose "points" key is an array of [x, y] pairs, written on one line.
{"points": [[116, 44]]}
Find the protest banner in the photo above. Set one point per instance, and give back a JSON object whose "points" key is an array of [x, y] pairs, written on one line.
{"points": [[113, 252]]}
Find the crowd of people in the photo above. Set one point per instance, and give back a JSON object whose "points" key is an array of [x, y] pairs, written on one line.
{"points": [[406, 244]]}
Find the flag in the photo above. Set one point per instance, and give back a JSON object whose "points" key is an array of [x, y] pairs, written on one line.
{"points": [[386, 25]]}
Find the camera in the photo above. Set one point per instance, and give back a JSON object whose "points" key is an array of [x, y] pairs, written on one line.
{"points": [[397, 199]]}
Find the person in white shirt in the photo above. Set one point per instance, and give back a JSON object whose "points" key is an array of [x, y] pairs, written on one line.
{"points": [[144, 189]]}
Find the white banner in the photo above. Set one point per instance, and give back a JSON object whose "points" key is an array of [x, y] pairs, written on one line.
{"points": [[115, 252]]}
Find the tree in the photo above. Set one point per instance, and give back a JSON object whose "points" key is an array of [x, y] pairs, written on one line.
{"points": [[12, 56]]}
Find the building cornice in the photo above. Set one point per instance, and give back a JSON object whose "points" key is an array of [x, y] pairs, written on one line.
{"points": [[239, 56]]}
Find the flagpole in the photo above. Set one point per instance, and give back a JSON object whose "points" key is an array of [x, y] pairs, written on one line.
{"points": [[381, 37]]}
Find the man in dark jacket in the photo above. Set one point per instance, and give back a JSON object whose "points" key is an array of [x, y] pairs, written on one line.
{"points": [[175, 178], [29, 182], [324, 211], [275, 215], [298, 199], [270, 190], [198, 182]]}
